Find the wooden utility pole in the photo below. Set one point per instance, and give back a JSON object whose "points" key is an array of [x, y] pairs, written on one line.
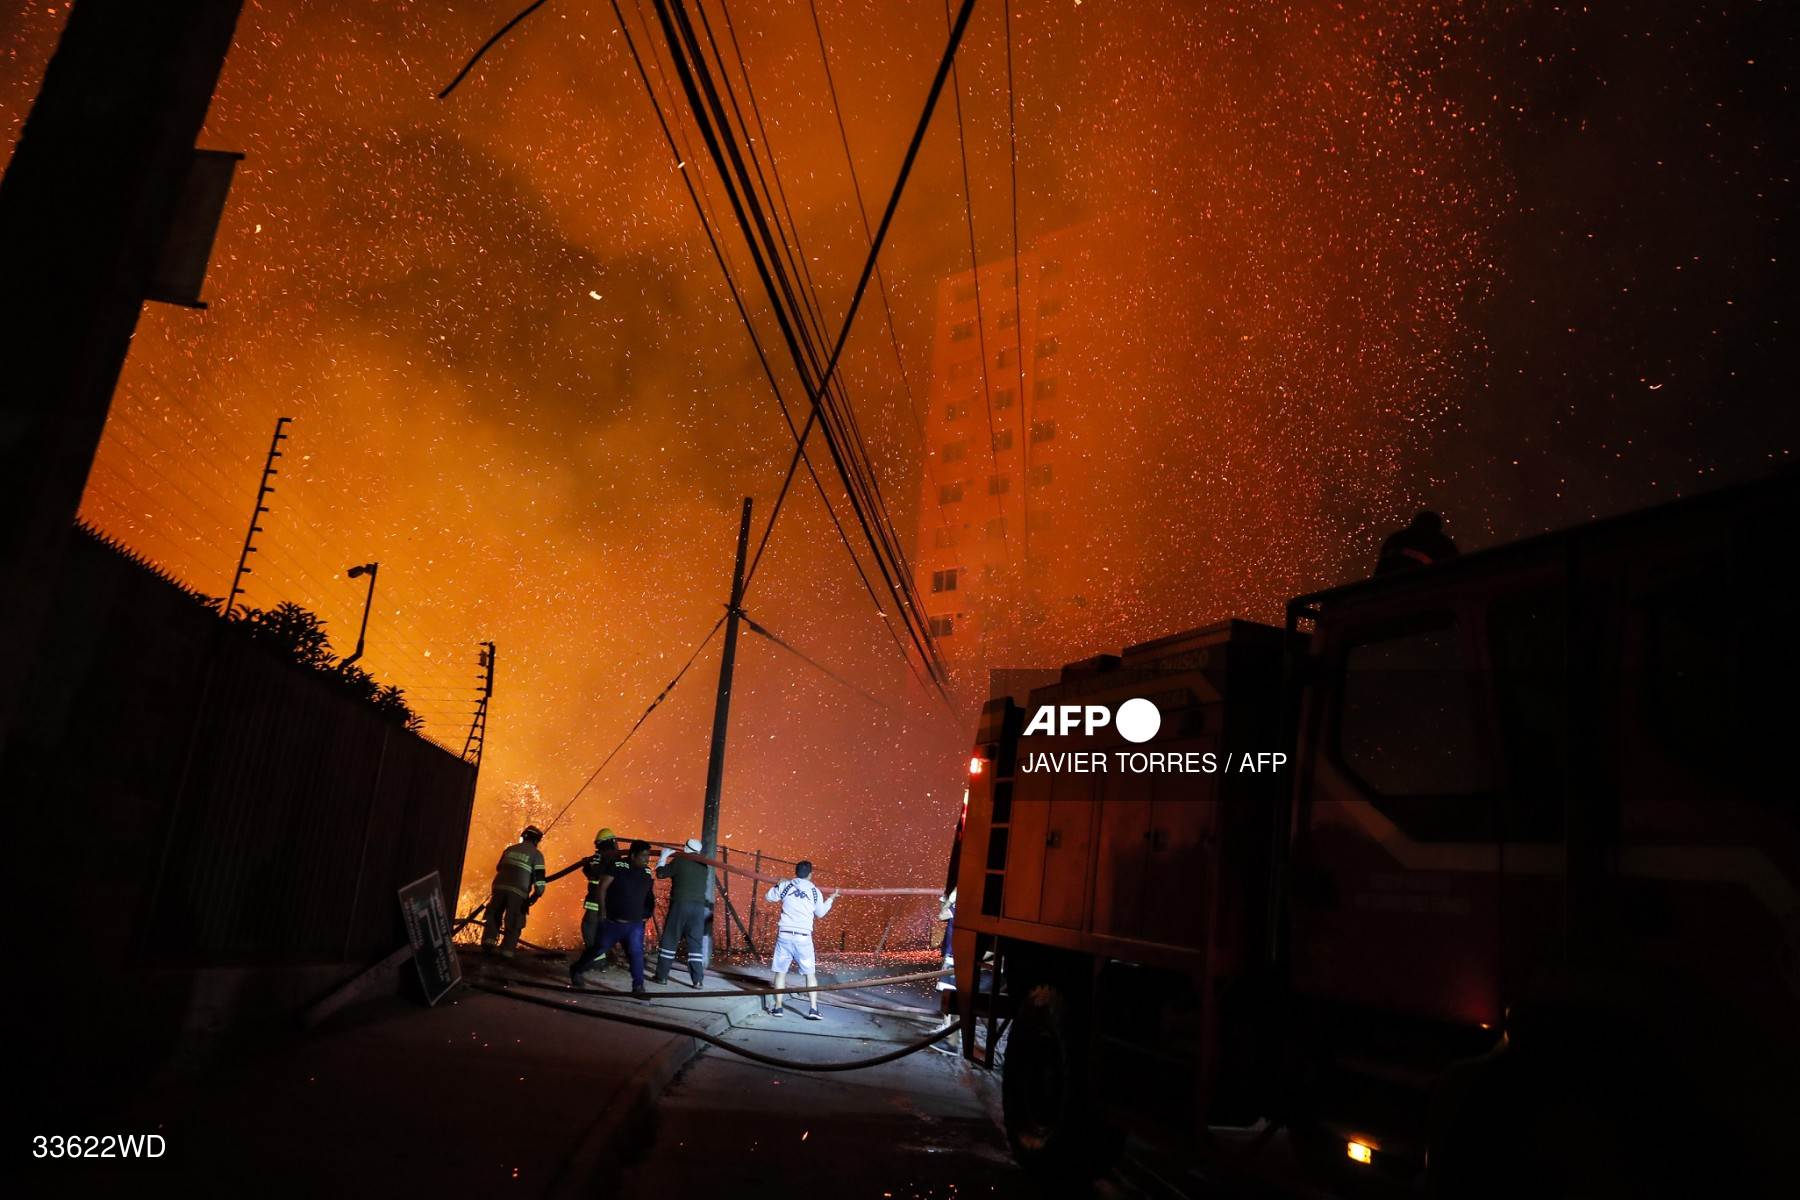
{"points": [[715, 759], [90, 209]]}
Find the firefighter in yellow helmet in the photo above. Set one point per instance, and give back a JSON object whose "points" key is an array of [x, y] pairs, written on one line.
{"points": [[594, 870], [518, 882]]}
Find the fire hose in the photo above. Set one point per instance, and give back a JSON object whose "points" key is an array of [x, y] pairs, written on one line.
{"points": [[767, 1059], [749, 874], [681, 852], [841, 986]]}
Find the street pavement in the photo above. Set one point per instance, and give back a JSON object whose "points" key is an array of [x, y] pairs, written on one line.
{"points": [[525, 1091], [924, 1126], [481, 1093]]}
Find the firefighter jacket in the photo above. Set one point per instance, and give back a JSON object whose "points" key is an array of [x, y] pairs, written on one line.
{"points": [[596, 870], [520, 871]]}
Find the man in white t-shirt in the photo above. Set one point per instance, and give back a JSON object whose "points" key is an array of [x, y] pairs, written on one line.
{"points": [[800, 902]]}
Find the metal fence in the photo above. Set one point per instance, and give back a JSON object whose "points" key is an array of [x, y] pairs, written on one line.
{"points": [[744, 921]]}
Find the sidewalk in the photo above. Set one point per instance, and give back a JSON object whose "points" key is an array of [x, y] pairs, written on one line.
{"points": [[482, 1091]]}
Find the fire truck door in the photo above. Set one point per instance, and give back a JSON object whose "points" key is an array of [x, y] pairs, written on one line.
{"points": [[1395, 880], [1181, 841], [1120, 868], [1068, 850]]}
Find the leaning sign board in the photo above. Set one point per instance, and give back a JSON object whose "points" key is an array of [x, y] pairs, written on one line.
{"points": [[428, 927]]}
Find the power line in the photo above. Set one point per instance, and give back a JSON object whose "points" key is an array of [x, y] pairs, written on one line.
{"points": [[862, 486], [987, 390], [744, 317], [1025, 423], [856, 443], [813, 663], [660, 697], [754, 223], [862, 212], [194, 569], [489, 45], [798, 260]]}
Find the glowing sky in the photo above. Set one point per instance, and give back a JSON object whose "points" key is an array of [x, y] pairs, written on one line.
{"points": [[1523, 264]]}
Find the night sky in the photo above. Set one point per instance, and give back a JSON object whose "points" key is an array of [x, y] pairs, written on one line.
{"points": [[1520, 263]]}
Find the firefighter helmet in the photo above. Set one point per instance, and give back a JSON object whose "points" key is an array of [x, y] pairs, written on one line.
{"points": [[531, 833], [604, 836]]}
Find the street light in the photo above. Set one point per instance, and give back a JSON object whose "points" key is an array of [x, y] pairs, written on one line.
{"points": [[368, 569]]}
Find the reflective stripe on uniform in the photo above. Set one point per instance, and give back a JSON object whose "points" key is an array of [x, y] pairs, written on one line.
{"points": [[590, 906]]}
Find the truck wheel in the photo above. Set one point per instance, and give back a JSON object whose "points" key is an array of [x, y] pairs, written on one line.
{"points": [[1053, 1130]]}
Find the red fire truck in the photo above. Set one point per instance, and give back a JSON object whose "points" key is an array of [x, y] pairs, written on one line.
{"points": [[1519, 915]]}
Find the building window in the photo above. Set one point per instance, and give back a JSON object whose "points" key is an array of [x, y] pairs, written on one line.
{"points": [[1040, 475], [953, 452], [950, 493], [1003, 399], [999, 485], [942, 627], [1008, 319], [1003, 440], [1043, 389], [996, 528], [1042, 431], [943, 536], [962, 331], [955, 412], [944, 581], [1006, 358], [962, 293], [1049, 306], [1046, 346]]}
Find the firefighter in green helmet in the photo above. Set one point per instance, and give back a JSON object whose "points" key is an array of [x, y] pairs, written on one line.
{"points": [[518, 882]]}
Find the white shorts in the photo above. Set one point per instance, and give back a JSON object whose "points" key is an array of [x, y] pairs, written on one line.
{"points": [[796, 949]]}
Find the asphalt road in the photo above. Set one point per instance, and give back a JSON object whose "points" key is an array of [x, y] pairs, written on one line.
{"points": [[925, 1126]]}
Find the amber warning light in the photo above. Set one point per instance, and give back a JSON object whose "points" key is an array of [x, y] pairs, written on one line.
{"points": [[1359, 1152], [977, 765]]}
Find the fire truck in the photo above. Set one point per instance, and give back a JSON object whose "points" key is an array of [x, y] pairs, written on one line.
{"points": [[1518, 915]]}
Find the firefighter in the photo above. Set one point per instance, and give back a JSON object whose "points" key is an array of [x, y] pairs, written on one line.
{"points": [[687, 913], [628, 898], [518, 882], [1419, 544], [595, 869]]}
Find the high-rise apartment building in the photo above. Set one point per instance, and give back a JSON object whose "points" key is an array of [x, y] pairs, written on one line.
{"points": [[996, 519]]}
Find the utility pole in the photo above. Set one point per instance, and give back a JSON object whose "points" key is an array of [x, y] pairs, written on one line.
{"points": [[91, 206], [478, 725], [715, 759], [263, 493]]}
